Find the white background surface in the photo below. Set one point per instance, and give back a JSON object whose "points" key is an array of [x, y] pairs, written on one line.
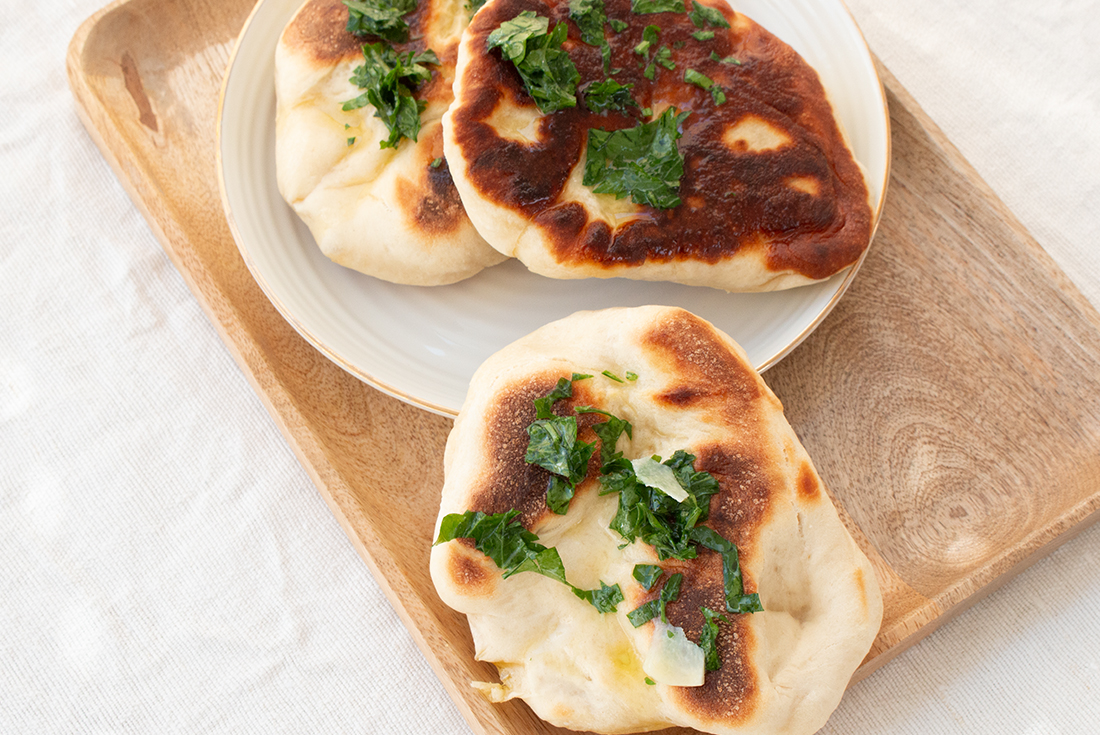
{"points": [[166, 565]]}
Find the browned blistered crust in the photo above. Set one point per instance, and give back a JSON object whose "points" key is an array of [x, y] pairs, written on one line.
{"points": [[428, 199], [736, 200]]}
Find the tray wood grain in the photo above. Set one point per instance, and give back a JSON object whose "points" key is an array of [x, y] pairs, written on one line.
{"points": [[951, 401]]}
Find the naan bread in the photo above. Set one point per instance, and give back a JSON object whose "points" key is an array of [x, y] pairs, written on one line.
{"points": [[772, 196], [385, 212], [783, 669]]}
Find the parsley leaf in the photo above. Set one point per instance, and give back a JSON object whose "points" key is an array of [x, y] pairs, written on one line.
{"points": [[647, 575], [564, 389], [589, 16], [618, 25], [701, 15], [608, 95], [664, 57], [514, 549], [548, 73], [640, 162], [605, 599], [554, 446], [728, 60], [472, 6], [642, 7], [382, 18], [389, 78], [669, 593], [736, 599], [503, 539], [649, 37], [703, 35], [708, 638], [701, 80]]}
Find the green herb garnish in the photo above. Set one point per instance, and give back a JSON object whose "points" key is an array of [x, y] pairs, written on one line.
{"points": [[640, 162], [472, 6], [657, 606], [701, 16], [389, 79], [514, 549], [548, 73], [650, 682], [437, 162], [382, 18], [605, 599], [554, 446], [503, 539], [649, 37], [351, 141], [647, 575], [589, 16], [618, 25], [703, 35], [631, 376], [664, 57], [708, 638], [728, 60], [608, 95], [649, 514], [642, 7], [704, 82], [736, 599]]}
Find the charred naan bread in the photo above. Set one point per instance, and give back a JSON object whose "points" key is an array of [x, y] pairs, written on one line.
{"points": [[683, 385], [771, 196], [392, 213]]}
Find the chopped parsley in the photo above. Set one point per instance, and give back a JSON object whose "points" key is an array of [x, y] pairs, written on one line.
{"points": [[650, 682], [514, 549], [642, 7], [647, 575], [642, 614], [437, 162], [351, 141], [703, 35], [589, 16], [640, 162], [736, 599], [472, 6], [503, 539], [618, 25], [664, 57], [701, 16], [728, 60], [649, 37], [613, 376], [553, 445], [382, 18], [605, 599], [389, 79], [608, 95], [708, 638], [704, 82], [631, 376], [548, 73]]}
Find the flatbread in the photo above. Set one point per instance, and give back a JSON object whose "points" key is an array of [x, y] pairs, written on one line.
{"points": [[784, 669], [388, 212], [772, 196]]}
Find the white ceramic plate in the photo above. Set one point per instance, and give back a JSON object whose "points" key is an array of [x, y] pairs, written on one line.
{"points": [[422, 344]]}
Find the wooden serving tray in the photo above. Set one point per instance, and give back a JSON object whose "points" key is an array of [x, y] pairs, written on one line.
{"points": [[951, 401]]}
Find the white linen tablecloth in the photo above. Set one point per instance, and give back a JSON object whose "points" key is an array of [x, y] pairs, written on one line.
{"points": [[166, 564]]}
